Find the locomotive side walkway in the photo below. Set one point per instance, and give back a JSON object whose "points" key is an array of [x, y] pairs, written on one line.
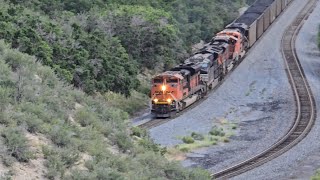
{"points": [[256, 95]]}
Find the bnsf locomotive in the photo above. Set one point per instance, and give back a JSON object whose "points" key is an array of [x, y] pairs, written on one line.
{"points": [[176, 89]]}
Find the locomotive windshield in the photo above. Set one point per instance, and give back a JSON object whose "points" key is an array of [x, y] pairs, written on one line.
{"points": [[172, 80], [157, 80]]}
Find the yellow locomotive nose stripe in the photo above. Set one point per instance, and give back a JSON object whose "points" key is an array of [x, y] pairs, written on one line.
{"points": [[161, 103]]}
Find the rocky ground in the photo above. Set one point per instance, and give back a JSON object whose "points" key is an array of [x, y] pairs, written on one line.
{"points": [[258, 97], [303, 160]]}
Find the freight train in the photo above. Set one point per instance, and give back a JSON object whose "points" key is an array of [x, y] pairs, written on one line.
{"points": [[174, 90]]}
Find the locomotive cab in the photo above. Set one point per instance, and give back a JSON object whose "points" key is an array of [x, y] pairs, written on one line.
{"points": [[174, 90], [165, 93]]}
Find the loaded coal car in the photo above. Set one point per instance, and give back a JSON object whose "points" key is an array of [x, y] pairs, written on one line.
{"points": [[176, 89], [259, 16]]}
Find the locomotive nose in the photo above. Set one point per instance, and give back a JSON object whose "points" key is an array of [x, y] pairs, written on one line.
{"points": [[163, 87]]}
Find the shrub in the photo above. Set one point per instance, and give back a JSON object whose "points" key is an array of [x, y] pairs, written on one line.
{"points": [[136, 102], [123, 142], [34, 124], [316, 176], [5, 118], [149, 145], [5, 94], [199, 174], [214, 142], [61, 136], [69, 156], [136, 131], [188, 140], [174, 172], [225, 139], [215, 131], [8, 175], [8, 160], [214, 138], [197, 136], [222, 133], [17, 145], [107, 173], [58, 160], [184, 149], [55, 166], [234, 126], [85, 117], [79, 175]]}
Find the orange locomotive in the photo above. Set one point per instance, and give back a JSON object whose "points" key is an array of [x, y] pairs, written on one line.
{"points": [[174, 90]]}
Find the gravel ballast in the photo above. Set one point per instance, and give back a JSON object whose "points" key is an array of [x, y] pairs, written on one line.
{"points": [[303, 160], [256, 96]]}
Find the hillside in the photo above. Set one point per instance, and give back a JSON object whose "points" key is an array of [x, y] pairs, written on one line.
{"points": [[102, 45], [49, 129], [72, 72]]}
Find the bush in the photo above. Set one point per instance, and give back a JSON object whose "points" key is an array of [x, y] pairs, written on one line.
{"points": [[17, 145], [149, 145], [8, 160], [85, 117], [133, 104], [188, 140], [55, 167], [316, 176], [184, 149], [234, 126], [216, 131], [61, 136], [5, 118], [107, 173], [197, 136], [214, 142], [199, 174], [58, 160], [226, 140], [69, 156], [222, 133], [34, 123], [8, 175], [79, 175], [139, 132], [123, 142]]}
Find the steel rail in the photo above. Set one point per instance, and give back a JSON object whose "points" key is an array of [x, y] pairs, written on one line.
{"points": [[305, 112]]}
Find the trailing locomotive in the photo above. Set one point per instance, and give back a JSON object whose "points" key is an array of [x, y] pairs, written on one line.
{"points": [[174, 90]]}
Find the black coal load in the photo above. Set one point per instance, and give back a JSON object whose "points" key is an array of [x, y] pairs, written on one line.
{"points": [[259, 9], [254, 12], [248, 18], [266, 3]]}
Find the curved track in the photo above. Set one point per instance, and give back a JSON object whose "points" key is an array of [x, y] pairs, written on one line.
{"points": [[306, 112]]}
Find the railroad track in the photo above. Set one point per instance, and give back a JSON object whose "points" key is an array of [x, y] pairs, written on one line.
{"points": [[306, 112], [154, 122]]}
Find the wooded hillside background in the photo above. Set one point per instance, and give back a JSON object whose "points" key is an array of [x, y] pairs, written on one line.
{"points": [[102, 45]]}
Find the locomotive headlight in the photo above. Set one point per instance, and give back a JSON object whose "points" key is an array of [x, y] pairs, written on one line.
{"points": [[155, 100], [169, 101], [163, 87]]}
